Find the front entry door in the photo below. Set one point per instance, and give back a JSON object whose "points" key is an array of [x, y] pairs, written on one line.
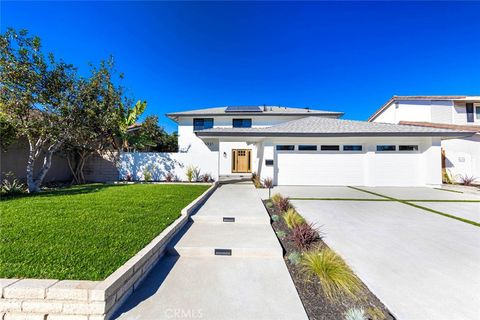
{"points": [[241, 160]]}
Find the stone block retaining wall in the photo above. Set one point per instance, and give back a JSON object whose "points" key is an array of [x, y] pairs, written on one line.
{"points": [[49, 299]]}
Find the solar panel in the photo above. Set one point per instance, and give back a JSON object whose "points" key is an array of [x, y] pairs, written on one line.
{"points": [[243, 109]]}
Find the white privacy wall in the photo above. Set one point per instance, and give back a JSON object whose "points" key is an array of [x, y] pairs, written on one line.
{"points": [[463, 157], [161, 163]]}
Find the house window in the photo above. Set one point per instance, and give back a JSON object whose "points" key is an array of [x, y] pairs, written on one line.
{"points": [[477, 111], [408, 148], [352, 147], [307, 147], [330, 148], [202, 123], [285, 147], [242, 123], [387, 147]]}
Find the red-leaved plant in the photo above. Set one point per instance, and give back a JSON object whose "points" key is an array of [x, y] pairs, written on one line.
{"points": [[268, 183], [304, 236], [467, 180], [283, 204], [169, 177]]}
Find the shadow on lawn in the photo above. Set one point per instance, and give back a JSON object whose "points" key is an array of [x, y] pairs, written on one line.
{"points": [[63, 191]]}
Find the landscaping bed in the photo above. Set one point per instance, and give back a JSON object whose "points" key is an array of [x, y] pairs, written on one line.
{"points": [[85, 232], [317, 304]]}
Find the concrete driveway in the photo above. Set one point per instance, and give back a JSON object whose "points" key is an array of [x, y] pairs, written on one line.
{"points": [[420, 264]]}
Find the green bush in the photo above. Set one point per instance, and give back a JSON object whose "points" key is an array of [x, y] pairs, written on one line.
{"points": [[336, 278], [275, 218], [281, 234], [294, 257], [355, 314], [292, 218], [11, 186], [191, 173], [147, 175], [269, 204]]}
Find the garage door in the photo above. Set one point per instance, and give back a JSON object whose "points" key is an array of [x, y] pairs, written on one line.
{"points": [[395, 169], [329, 169]]}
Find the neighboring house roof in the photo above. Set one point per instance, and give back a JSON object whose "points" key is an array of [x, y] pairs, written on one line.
{"points": [[263, 110], [470, 128], [400, 98], [326, 127]]}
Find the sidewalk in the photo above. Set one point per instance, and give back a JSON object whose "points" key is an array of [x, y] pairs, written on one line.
{"points": [[191, 282]]}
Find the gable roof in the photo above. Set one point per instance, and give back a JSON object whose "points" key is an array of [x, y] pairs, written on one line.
{"points": [[327, 127], [404, 98], [264, 111], [470, 128]]}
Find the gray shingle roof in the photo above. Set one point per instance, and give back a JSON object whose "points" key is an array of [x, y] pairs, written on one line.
{"points": [[319, 127], [265, 110]]}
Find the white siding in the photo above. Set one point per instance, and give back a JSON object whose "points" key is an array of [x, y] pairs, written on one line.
{"points": [[442, 111], [463, 156]]}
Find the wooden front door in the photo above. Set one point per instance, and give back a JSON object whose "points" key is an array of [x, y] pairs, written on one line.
{"points": [[241, 160]]}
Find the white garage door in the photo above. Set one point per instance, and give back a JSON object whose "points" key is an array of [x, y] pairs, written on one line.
{"points": [[329, 169], [396, 169]]}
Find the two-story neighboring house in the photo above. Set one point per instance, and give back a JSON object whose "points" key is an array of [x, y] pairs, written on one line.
{"points": [[295, 146], [461, 157]]}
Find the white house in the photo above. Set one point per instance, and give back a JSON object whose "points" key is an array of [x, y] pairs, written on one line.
{"points": [[461, 156], [296, 146]]}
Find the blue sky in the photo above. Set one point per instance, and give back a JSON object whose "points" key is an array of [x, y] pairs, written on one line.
{"points": [[344, 56]]}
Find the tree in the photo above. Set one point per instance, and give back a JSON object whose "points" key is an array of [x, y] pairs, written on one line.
{"points": [[36, 97], [152, 137], [8, 132], [98, 111], [129, 117]]}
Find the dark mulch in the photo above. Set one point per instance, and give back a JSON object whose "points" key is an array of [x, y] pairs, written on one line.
{"points": [[317, 306]]}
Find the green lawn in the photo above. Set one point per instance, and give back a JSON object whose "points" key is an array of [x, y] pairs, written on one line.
{"points": [[85, 232]]}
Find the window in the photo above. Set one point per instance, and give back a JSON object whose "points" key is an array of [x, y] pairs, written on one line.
{"points": [[477, 111], [330, 148], [352, 148], [387, 147], [285, 147], [306, 147], [408, 148], [202, 123], [242, 123]]}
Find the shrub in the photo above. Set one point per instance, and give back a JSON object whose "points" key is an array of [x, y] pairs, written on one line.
{"points": [[192, 173], [11, 185], [281, 234], [147, 175], [294, 257], [355, 314], [283, 205], [129, 177], [374, 313], [169, 177], [276, 198], [467, 180], [275, 218], [336, 278], [268, 183], [207, 177], [269, 204], [292, 218], [304, 236], [256, 180]]}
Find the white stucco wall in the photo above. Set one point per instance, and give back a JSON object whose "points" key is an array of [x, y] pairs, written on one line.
{"points": [[463, 156]]}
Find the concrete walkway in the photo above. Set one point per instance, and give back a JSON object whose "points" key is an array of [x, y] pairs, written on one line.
{"points": [[191, 282]]}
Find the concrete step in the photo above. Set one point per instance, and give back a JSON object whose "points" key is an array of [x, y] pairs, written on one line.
{"points": [[244, 240], [215, 288], [237, 201]]}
